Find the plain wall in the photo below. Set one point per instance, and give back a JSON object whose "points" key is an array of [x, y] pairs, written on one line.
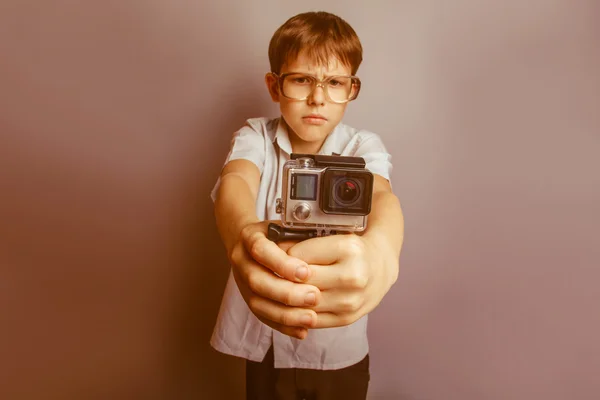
{"points": [[116, 117]]}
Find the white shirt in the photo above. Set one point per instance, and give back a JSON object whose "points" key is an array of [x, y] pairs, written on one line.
{"points": [[238, 332]]}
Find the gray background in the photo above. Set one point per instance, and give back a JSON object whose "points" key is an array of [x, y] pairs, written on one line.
{"points": [[116, 116]]}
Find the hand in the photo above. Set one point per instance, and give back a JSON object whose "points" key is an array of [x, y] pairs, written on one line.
{"points": [[281, 302], [353, 273]]}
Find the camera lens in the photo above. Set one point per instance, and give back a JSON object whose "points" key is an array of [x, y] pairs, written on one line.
{"points": [[346, 191]]}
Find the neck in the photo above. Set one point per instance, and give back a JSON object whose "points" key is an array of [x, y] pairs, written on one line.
{"points": [[300, 146]]}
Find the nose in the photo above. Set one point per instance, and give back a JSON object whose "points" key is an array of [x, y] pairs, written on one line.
{"points": [[318, 95]]}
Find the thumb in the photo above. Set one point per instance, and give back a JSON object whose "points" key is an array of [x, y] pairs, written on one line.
{"points": [[286, 245]]}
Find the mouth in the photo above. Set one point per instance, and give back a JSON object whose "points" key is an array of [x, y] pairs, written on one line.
{"points": [[315, 117]]}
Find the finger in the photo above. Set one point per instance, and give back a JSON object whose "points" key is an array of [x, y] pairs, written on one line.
{"points": [[282, 315], [342, 276], [274, 258], [286, 245], [298, 333], [340, 302], [331, 320], [326, 250], [293, 331], [263, 282]]}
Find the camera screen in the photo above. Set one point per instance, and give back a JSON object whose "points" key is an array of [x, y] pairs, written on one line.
{"points": [[304, 187]]}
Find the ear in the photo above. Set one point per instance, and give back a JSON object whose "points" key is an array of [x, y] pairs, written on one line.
{"points": [[272, 86]]}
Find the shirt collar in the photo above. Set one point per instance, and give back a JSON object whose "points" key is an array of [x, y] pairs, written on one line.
{"points": [[281, 136], [331, 144]]}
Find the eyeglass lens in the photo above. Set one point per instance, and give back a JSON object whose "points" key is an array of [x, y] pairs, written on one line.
{"points": [[299, 86]]}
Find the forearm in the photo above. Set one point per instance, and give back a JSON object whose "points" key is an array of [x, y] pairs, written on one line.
{"points": [[385, 231], [235, 207]]}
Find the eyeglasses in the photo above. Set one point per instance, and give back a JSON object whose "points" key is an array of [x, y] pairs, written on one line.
{"points": [[337, 89]]}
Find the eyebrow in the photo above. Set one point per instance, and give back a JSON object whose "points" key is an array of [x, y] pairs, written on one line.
{"points": [[314, 76]]}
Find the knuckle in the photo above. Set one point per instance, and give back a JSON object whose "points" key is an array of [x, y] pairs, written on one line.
{"points": [[354, 246], [287, 298], [346, 319], [292, 250], [361, 279], [246, 232], [240, 274], [253, 283], [350, 304], [286, 319], [235, 255], [354, 278], [254, 303], [238, 254], [257, 246]]}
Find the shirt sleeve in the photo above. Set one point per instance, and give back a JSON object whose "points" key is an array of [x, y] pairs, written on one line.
{"points": [[248, 143], [375, 154]]}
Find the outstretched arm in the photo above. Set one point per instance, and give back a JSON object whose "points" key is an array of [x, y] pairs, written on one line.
{"points": [[276, 301], [355, 272]]}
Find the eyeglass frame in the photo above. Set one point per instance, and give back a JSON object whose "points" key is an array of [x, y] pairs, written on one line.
{"points": [[318, 82]]}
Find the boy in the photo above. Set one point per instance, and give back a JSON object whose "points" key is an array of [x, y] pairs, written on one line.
{"points": [[326, 285]]}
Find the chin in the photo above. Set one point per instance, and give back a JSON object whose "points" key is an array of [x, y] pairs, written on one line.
{"points": [[311, 134]]}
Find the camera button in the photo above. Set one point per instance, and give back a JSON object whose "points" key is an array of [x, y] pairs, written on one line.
{"points": [[302, 211], [306, 162]]}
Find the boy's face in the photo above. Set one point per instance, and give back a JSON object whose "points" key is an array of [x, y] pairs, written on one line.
{"points": [[311, 120]]}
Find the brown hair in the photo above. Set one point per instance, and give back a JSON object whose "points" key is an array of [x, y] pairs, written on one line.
{"points": [[321, 34]]}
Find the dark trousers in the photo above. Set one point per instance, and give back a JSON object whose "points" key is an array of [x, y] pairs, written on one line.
{"points": [[265, 382]]}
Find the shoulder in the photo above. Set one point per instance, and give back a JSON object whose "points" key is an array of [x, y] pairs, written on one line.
{"points": [[361, 140], [254, 134], [260, 125], [250, 141], [368, 145]]}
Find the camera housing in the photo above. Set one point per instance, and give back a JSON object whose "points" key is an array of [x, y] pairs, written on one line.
{"points": [[325, 193]]}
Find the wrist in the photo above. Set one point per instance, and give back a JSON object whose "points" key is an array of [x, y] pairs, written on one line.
{"points": [[231, 228], [238, 229], [382, 255]]}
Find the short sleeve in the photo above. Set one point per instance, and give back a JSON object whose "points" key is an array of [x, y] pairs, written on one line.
{"points": [[375, 154], [248, 143]]}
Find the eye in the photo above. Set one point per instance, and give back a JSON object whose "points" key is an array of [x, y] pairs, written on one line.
{"points": [[301, 80], [337, 82]]}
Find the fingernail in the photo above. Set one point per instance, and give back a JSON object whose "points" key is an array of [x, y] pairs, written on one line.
{"points": [[310, 299], [302, 272], [306, 320], [302, 334]]}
